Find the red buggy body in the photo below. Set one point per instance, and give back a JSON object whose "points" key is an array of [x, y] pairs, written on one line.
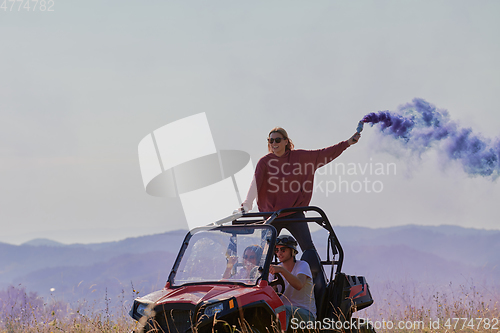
{"points": [[198, 298]]}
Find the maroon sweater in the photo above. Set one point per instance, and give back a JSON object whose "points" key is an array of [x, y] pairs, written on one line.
{"points": [[288, 181]]}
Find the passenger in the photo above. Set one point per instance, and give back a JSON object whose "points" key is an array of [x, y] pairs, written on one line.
{"points": [[251, 260], [298, 296], [285, 178]]}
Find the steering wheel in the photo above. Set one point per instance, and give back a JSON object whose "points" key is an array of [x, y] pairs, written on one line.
{"points": [[278, 282]]}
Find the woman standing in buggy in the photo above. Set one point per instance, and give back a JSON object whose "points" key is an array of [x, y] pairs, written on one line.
{"points": [[285, 178]]}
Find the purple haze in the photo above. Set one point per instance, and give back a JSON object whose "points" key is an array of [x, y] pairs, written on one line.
{"points": [[420, 125]]}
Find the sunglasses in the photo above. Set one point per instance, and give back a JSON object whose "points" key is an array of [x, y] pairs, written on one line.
{"points": [[278, 140], [249, 257], [280, 249]]}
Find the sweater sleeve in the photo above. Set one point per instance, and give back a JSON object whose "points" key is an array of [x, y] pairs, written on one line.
{"points": [[326, 155]]}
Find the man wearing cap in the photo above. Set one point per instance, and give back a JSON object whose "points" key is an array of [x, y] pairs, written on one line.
{"points": [[298, 296]]}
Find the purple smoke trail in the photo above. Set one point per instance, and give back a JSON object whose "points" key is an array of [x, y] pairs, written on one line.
{"points": [[420, 125]]}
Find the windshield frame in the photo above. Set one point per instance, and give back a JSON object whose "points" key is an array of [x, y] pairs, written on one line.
{"points": [[228, 228]]}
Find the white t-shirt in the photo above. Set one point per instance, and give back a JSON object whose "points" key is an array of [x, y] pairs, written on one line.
{"points": [[303, 298]]}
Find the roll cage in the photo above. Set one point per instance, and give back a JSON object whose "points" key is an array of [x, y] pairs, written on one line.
{"points": [[333, 246]]}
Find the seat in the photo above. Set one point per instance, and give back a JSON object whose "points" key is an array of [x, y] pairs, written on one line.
{"points": [[319, 279]]}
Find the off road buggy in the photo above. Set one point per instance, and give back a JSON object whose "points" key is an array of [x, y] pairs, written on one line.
{"points": [[198, 298]]}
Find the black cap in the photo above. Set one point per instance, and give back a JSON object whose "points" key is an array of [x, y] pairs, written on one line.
{"points": [[287, 241]]}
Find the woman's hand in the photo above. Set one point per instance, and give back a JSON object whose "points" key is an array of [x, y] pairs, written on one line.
{"points": [[231, 261], [354, 139]]}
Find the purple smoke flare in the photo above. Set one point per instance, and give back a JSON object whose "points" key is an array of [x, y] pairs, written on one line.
{"points": [[420, 126]]}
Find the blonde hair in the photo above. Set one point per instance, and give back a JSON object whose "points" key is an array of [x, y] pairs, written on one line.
{"points": [[283, 133]]}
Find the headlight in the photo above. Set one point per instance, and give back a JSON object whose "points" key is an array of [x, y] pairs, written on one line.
{"points": [[144, 310], [211, 310]]}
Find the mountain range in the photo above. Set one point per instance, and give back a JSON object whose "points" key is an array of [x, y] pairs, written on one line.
{"points": [[119, 271]]}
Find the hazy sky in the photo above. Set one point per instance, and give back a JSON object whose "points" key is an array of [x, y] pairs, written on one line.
{"points": [[82, 85]]}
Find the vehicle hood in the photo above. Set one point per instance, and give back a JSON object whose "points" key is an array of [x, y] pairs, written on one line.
{"points": [[196, 294]]}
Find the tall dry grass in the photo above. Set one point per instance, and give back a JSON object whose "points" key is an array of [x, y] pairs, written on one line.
{"points": [[428, 308], [456, 308], [23, 311]]}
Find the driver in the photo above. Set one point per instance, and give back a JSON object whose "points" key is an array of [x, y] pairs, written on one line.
{"points": [[251, 259], [298, 296]]}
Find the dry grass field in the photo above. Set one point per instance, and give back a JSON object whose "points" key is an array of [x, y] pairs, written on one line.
{"points": [[423, 308], [412, 308]]}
